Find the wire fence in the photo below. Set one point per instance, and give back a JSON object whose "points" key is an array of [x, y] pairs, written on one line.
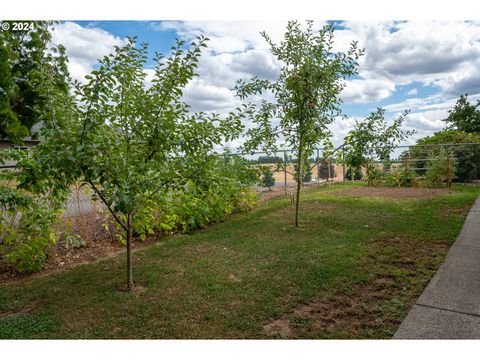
{"points": [[462, 164]]}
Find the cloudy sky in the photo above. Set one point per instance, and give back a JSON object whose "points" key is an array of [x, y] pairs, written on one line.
{"points": [[423, 66]]}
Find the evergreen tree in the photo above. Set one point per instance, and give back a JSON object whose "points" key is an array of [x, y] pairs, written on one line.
{"points": [[25, 57], [267, 178]]}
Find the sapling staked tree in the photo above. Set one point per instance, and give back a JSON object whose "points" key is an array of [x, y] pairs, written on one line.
{"points": [[307, 93]]}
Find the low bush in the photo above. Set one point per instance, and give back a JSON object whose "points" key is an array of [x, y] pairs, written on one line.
{"points": [[375, 177], [400, 178], [440, 170], [463, 149], [357, 174], [26, 229], [213, 191]]}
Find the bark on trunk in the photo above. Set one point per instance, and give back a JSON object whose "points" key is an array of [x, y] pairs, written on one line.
{"points": [[129, 253], [299, 185]]}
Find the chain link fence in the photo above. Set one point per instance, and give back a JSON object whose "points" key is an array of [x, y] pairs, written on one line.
{"points": [[461, 163]]}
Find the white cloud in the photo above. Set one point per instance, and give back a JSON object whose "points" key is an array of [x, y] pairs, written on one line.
{"points": [[84, 46], [367, 90], [227, 36], [441, 54], [445, 54], [412, 91], [203, 96], [341, 127], [428, 120]]}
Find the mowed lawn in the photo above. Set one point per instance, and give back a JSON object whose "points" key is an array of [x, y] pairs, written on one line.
{"points": [[352, 271]]}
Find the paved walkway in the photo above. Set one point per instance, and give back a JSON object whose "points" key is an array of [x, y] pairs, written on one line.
{"points": [[449, 308]]}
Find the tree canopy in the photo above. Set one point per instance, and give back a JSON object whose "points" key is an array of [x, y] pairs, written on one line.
{"points": [[464, 116], [373, 139], [25, 58], [130, 143], [306, 93]]}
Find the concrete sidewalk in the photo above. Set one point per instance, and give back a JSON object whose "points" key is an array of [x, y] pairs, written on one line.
{"points": [[449, 308]]}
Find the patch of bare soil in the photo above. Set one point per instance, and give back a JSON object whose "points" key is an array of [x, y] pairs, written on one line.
{"points": [[279, 191], [280, 327], [275, 192], [348, 312], [63, 258], [399, 193], [376, 305], [23, 311]]}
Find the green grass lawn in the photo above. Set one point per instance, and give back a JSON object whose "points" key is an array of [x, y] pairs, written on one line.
{"points": [[352, 271]]}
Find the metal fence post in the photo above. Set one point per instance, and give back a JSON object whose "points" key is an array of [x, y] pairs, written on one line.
{"points": [[285, 171], [449, 170], [329, 166]]}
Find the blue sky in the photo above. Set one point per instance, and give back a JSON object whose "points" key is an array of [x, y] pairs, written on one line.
{"points": [[422, 66]]}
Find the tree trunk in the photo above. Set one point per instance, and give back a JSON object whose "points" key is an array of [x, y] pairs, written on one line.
{"points": [[299, 184], [129, 253]]}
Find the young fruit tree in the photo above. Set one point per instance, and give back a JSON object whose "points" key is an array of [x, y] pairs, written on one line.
{"points": [[129, 141], [306, 93], [373, 139]]}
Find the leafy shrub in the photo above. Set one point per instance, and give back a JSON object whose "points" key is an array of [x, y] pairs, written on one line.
{"points": [[245, 201], [26, 229], [357, 173], [189, 210], [215, 190], [439, 170], [74, 241], [399, 177], [408, 179], [375, 177], [467, 156]]}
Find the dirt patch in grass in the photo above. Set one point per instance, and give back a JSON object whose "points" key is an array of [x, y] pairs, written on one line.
{"points": [[348, 312], [61, 258], [22, 311], [280, 327], [394, 193], [279, 191], [374, 308]]}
